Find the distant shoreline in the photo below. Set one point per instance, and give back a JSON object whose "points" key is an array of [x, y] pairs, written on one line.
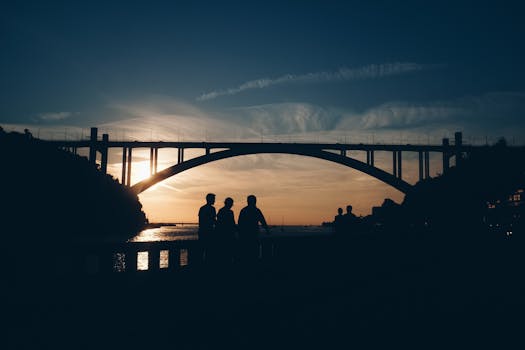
{"points": [[159, 224]]}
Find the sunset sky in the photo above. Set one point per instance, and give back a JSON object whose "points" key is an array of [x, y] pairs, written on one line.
{"points": [[288, 71]]}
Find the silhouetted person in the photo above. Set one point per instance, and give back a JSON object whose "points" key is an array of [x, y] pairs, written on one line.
{"points": [[249, 219], [339, 222], [207, 220], [225, 230], [350, 220]]}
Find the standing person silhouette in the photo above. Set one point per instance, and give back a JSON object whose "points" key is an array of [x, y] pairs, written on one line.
{"points": [[249, 219], [339, 222], [207, 220], [350, 220], [225, 230]]}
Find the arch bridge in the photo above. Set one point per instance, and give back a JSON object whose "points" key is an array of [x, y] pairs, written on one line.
{"points": [[213, 151]]}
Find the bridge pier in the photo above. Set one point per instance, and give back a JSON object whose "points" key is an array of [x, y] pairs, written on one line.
{"points": [[156, 160], [123, 177], [394, 163], [104, 153], [399, 167], [427, 165], [446, 155], [128, 176], [153, 160], [180, 157], [420, 162], [93, 146], [370, 158], [458, 140]]}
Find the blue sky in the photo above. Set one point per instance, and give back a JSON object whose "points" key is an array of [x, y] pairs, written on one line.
{"points": [[293, 70], [82, 58]]}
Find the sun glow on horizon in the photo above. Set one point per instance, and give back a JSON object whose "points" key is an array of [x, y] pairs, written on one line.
{"points": [[140, 171]]}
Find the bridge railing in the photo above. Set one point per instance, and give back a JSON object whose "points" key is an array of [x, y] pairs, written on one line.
{"points": [[173, 256]]}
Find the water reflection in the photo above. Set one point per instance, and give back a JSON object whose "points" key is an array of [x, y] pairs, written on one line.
{"points": [[185, 232], [164, 259], [167, 233], [142, 261], [183, 259], [119, 262]]}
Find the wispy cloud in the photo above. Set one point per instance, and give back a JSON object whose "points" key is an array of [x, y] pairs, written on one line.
{"points": [[54, 116], [372, 71]]}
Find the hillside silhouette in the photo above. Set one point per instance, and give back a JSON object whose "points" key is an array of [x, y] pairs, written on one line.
{"points": [[457, 204], [52, 196], [457, 200]]}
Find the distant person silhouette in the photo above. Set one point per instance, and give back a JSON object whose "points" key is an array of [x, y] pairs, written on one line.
{"points": [[225, 231], [339, 222], [350, 220], [249, 219], [207, 220]]}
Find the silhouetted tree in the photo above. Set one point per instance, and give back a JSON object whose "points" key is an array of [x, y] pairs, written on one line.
{"points": [[52, 197]]}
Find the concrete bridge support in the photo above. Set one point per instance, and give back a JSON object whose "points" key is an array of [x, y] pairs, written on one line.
{"points": [[458, 140], [397, 164], [93, 146], [370, 158], [104, 154], [123, 177], [427, 165], [128, 176], [446, 155], [153, 160], [180, 157], [126, 166], [420, 159]]}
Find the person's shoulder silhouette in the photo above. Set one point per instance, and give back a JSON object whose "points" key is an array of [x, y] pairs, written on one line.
{"points": [[207, 214], [250, 216]]}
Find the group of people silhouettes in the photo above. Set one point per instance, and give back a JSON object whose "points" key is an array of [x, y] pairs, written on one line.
{"points": [[345, 223], [222, 239]]}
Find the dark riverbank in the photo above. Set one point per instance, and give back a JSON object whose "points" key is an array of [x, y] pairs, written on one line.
{"points": [[52, 196], [372, 291]]}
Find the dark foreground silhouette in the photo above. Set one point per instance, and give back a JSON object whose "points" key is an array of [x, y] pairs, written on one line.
{"points": [[409, 283], [53, 199], [372, 291]]}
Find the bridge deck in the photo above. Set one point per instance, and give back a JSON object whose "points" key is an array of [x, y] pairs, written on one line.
{"points": [[217, 145]]}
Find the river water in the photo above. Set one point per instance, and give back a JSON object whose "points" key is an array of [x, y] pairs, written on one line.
{"points": [[182, 232]]}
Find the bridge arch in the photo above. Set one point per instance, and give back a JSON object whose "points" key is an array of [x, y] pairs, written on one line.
{"points": [[382, 175]]}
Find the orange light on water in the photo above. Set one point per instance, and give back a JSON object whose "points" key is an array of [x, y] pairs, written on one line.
{"points": [[142, 261]]}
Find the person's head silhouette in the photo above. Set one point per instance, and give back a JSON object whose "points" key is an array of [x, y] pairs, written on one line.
{"points": [[348, 209], [210, 198], [228, 203], [252, 200], [340, 211]]}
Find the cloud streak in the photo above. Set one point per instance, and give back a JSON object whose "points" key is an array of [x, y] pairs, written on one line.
{"points": [[372, 71], [55, 116]]}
